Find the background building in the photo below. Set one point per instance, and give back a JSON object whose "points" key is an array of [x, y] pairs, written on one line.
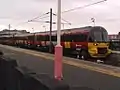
{"points": [[12, 32]]}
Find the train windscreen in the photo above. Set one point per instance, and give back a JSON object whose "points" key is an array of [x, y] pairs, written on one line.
{"points": [[98, 35]]}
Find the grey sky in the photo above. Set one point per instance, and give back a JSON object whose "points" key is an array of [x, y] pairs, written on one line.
{"points": [[17, 12]]}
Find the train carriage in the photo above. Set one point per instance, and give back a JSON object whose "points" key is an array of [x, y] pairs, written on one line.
{"points": [[88, 42], [85, 42]]}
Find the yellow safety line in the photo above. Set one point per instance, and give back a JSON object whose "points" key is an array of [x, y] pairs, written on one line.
{"points": [[69, 62]]}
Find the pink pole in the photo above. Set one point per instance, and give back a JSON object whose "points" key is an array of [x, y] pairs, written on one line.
{"points": [[58, 47], [58, 62]]}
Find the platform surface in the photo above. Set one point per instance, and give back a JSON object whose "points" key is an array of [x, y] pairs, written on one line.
{"points": [[76, 72], [117, 52]]}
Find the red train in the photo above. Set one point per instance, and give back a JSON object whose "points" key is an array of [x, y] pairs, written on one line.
{"points": [[86, 41]]}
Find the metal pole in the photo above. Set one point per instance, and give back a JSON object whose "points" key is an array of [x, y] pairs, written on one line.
{"points": [[50, 47], [9, 28], [93, 20], [33, 30], [33, 36], [94, 23], [59, 22], [58, 48], [63, 25], [44, 28]]}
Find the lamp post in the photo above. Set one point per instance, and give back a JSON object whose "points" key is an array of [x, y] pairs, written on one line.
{"points": [[34, 36], [45, 31], [9, 26], [93, 20], [33, 30], [58, 47], [44, 28]]}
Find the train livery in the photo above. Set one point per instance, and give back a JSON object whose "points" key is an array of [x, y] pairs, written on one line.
{"points": [[86, 42]]}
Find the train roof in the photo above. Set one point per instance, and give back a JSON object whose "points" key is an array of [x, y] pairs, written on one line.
{"points": [[64, 31], [72, 30]]}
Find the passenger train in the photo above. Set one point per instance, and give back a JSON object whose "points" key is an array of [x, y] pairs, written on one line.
{"points": [[85, 42]]}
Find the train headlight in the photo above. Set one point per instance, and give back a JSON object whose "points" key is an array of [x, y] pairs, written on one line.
{"points": [[93, 51], [95, 44]]}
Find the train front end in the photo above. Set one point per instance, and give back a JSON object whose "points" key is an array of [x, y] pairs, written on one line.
{"points": [[98, 43]]}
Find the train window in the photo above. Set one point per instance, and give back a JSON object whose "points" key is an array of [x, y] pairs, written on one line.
{"points": [[46, 38], [54, 38], [79, 37], [39, 38], [43, 38], [105, 36], [67, 38], [31, 37], [62, 38], [35, 37], [90, 39]]}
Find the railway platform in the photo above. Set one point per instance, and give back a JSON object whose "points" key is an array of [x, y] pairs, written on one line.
{"points": [[116, 52], [77, 73]]}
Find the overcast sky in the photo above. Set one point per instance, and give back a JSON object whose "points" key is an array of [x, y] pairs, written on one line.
{"points": [[18, 12]]}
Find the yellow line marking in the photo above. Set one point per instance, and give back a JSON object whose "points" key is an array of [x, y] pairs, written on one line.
{"points": [[69, 62]]}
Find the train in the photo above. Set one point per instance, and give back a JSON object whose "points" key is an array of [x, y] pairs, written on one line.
{"points": [[84, 42]]}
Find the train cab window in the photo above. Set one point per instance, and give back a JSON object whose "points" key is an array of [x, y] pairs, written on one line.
{"points": [[90, 39]]}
